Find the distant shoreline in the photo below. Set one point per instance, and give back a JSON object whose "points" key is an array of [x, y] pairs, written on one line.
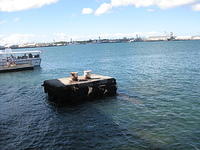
{"points": [[62, 43]]}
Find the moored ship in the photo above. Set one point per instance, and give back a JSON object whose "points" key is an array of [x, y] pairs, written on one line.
{"points": [[19, 60]]}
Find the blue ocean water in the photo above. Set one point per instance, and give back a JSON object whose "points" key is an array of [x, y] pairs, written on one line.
{"points": [[158, 106]]}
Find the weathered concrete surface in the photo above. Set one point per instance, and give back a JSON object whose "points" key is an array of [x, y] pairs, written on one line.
{"points": [[68, 91]]}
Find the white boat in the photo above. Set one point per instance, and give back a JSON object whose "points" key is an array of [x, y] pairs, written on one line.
{"points": [[19, 60]]}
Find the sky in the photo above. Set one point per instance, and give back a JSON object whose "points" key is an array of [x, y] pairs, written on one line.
{"points": [[23, 21]]}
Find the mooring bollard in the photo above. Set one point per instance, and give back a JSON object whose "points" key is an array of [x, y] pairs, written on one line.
{"points": [[87, 74], [74, 76]]}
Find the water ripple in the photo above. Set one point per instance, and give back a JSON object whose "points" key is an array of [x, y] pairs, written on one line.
{"points": [[157, 107]]}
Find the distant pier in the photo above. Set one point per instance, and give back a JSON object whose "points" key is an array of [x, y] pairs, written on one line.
{"points": [[79, 88]]}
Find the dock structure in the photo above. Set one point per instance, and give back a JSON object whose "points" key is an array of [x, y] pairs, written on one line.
{"points": [[72, 90]]}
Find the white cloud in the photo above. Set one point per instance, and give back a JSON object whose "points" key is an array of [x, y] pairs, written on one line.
{"points": [[196, 7], [19, 38], [150, 10], [2, 21], [162, 4], [87, 11], [16, 38], [105, 7], [136, 3], [16, 19], [59, 36], [18, 5], [67, 37]]}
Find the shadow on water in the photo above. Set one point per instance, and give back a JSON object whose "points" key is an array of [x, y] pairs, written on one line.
{"points": [[130, 98], [78, 127], [43, 125], [154, 131], [83, 126]]}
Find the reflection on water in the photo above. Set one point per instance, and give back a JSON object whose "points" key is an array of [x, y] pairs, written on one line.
{"points": [[157, 106]]}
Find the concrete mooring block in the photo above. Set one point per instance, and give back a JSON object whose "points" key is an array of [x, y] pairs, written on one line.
{"points": [[68, 90]]}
